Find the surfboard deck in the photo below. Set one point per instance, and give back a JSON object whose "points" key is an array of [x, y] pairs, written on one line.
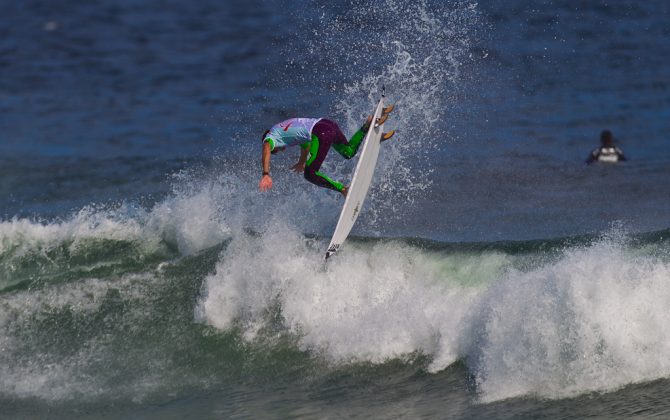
{"points": [[360, 183]]}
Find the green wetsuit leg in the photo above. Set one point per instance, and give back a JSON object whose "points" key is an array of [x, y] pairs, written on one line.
{"points": [[349, 150], [317, 154]]}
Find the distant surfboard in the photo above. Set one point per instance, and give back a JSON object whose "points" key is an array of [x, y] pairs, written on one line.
{"points": [[360, 183]]}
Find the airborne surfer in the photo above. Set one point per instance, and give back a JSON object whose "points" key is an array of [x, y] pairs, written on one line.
{"points": [[315, 136]]}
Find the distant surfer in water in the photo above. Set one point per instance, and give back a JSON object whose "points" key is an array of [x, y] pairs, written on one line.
{"points": [[607, 152], [315, 136]]}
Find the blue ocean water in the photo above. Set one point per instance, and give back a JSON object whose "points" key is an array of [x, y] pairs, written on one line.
{"points": [[492, 274]]}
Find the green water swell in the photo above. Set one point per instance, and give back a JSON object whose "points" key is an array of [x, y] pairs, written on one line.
{"points": [[131, 337], [70, 261]]}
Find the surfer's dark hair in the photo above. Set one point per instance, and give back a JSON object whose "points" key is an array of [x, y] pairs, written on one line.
{"points": [[264, 135], [606, 137]]}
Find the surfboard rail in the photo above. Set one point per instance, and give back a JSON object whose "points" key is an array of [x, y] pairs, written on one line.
{"points": [[360, 182]]}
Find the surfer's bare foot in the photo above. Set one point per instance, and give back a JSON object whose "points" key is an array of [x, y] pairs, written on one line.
{"points": [[344, 191], [366, 124]]}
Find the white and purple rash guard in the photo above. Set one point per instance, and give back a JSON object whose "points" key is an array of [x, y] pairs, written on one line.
{"points": [[291, 132]]}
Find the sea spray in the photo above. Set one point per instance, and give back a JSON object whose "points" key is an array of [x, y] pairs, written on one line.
{"points": [[424, 45], [417, 50]]}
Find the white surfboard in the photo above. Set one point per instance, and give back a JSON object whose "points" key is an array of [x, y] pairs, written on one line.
{"points": [[360, 183]]}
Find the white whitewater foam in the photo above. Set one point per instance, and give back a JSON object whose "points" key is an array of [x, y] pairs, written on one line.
{"points": [[192, 219], [369, 305], [591, 319], [23, 235], [595, 320]]}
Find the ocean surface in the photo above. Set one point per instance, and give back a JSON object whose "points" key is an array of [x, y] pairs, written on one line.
{"points": [[492, 274]]}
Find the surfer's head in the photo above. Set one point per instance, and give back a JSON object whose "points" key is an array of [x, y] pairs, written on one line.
{"points": [[606, 138]]}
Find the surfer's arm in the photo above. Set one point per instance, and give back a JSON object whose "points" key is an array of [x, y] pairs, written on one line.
{"points": [[622, 157], [300, 166], [266, 180], [593, 156]]}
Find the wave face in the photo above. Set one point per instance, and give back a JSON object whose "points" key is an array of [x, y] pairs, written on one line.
{"points": [[133, 304], [89, 305]]}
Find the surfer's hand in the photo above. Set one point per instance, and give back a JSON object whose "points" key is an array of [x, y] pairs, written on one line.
{"points": [[344, 191], [298, 167], [266, 183]]}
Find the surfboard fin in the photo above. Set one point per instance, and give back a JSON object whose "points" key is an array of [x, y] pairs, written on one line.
{"points": [[388, 135], [331, 250]]}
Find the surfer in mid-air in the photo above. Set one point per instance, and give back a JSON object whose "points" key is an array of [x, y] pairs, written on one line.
{"points": [[315, 136]]}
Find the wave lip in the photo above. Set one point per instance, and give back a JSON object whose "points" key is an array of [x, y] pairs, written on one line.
{"points": [[93, 238]]}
